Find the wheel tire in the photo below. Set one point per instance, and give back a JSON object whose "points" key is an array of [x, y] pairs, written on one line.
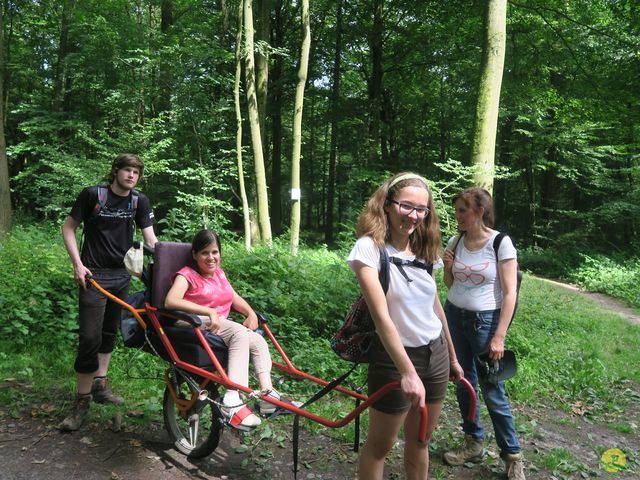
{"points": [[196, 433]]}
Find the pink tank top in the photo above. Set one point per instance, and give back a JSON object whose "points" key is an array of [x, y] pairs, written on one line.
{"points": [[215, 292]]}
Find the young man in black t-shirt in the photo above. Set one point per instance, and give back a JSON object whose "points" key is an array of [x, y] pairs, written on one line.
{"points": [[109, 215]]}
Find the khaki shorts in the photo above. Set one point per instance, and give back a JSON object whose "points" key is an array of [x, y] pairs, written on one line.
{"points": [[432, 365]]}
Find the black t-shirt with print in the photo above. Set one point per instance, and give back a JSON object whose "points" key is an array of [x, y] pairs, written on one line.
{"points": [[109, 235]]}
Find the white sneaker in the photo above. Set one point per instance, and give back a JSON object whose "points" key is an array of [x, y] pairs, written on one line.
{"points": [[267, 408], [241, 417]]}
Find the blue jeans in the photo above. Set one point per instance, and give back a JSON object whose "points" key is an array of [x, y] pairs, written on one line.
{"points": [[471, 333]]}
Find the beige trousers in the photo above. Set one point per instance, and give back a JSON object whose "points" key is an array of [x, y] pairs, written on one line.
{"points": [[243, 344]]}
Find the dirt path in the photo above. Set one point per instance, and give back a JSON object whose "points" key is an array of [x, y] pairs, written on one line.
{"points": [[605, 301], [31, 447]]}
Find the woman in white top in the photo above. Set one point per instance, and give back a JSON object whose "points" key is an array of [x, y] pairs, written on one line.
{"points": [[479, 307], [413, 344]]}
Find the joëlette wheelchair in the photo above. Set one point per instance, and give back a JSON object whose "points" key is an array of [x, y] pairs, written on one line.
{"points": [[196, 368]]}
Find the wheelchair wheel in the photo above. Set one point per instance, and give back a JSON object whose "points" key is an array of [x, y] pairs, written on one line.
{"points": [[195, 431]]}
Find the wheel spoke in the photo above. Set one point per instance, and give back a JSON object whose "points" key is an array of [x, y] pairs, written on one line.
{"points": [[194, 422], [196, 432]]}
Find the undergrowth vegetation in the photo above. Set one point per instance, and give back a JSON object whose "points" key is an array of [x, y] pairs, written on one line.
{"points": [[618, 277], [37, 292], [568, 349]]}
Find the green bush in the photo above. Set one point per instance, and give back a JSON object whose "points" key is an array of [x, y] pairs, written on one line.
{"points": [[314, 289], [306, 298], [36, 288], [620, 279], [548, 263]]}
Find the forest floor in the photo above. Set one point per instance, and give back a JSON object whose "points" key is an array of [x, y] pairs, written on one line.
{"points": [[558, 444]]}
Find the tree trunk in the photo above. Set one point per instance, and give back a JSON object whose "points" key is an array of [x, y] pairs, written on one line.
{"points": [[165, 77], [236, 96], [486, 120], [333, 149], [62, 83], [262, 66], [254, 123], [5, 192], [375, 83], [297, 129], [276, 124]]}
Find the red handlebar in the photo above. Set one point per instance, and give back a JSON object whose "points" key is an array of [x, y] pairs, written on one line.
{"points": [[422, 432], [474, 399]]}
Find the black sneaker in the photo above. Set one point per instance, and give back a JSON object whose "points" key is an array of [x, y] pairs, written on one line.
{"points": [[102, 393], [78, 414]]}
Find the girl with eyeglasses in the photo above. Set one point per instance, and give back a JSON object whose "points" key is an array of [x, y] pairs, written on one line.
{"points": [[479, 307], [412, 344]]}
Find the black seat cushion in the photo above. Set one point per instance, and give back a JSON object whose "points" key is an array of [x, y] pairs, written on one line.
{"points": [[169, 257]]}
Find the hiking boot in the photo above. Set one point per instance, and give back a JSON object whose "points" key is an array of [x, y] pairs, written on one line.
{"points": [[514, 466], [471, 450], [79, 413], [102, 393]]}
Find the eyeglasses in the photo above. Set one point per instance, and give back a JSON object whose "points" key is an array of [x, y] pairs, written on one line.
{"points": [[407, 209]]}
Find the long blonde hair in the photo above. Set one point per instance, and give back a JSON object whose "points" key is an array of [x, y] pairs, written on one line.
{"points": [[373, 221]]}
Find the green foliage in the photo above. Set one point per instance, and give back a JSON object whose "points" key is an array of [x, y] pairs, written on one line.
{"points": [[37, 292], [129, 79], [313, 289], [49, 182], [620, 279], [553, 334], [549, 263]]}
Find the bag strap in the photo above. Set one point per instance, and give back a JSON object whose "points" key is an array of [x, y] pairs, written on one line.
{"points": [[455, 246], [401, 263], [383, 274], [496, 243]]}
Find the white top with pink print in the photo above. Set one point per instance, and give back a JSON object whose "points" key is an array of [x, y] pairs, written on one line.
{"points": [[476, 286]]}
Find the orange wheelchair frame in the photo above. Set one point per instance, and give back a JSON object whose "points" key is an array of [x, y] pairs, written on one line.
{"points": [[191, 414]]}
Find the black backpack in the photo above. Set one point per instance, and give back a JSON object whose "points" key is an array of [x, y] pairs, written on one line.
{"points": [[496, 245], [103, 193], [353, 340]]}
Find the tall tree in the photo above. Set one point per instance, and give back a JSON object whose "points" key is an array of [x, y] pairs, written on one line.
{"points": [[334, 105], [62, 80], [246, 219], [297, 128], [164, 75], [276, 91], [5, 192], [376, 43], [488, 105], [262, 65], [254, 123]]}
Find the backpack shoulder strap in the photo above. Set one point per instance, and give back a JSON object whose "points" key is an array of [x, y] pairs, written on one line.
{"points": [[455, 245], [383, 275], [134, 199], [497, 241], [401, 263], [103, 193]]}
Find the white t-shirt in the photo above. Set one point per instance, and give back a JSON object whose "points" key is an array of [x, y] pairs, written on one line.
{"points": [[476, 285], [410, 304]]}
